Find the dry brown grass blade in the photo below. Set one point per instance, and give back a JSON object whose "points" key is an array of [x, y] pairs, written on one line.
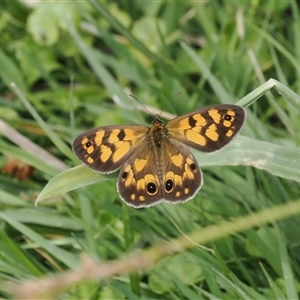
{"points": [[91, 270], [26, 144]]}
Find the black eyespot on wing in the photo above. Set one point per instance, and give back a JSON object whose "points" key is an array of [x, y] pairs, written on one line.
{"points": [[193, 167], [151, 188], [227, 117], [169, 185]]}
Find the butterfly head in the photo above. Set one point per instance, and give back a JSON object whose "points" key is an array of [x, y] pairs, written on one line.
{"points": [[157, 121]]}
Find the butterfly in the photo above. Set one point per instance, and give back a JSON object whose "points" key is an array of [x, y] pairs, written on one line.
{"points": [[155, 162]]}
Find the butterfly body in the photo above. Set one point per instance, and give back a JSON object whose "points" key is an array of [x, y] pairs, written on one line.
{"points": [[156, 163]]}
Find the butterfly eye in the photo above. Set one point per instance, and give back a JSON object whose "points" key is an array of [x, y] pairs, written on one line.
{"points": [[169, 185], [151, 188]]}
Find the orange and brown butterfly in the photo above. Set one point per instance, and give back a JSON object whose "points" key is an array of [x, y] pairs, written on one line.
{"points": [[156, 162]]}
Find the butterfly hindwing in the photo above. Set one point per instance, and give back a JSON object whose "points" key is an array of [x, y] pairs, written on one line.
{"points": [[182, 176], [170, 173], [139, 183]]}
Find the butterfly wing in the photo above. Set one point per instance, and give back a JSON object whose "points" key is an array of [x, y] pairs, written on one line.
{"points": [[139, 183], [169, 173], [182, 175], [208, 129], [106, 148]]}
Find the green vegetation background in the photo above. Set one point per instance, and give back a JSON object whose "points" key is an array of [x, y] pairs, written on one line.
{"points": [[76, 63]]}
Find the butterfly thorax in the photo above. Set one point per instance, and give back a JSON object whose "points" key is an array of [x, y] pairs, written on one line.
{"points": [[158, 132]]}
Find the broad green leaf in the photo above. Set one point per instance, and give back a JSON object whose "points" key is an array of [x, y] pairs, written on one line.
{"points": [[69, 180]]}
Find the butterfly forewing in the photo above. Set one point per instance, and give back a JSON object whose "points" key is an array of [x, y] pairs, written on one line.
{"points": [[105, 149], [208, 129]]}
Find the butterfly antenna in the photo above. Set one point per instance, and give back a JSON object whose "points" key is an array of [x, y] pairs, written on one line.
{"points": [[169, 102], [141, 104]]}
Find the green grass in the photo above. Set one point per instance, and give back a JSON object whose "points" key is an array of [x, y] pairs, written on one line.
{"points": [[74, 65]]}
